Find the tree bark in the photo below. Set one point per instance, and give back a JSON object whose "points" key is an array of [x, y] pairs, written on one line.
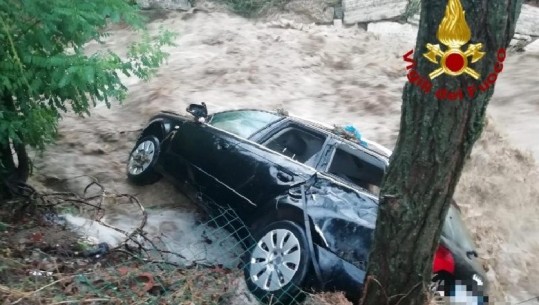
{"points": [[9, 170], [436, 136], [7, 166]]}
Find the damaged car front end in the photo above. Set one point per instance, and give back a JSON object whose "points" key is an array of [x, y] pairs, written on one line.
{"points": [[343, 221]]}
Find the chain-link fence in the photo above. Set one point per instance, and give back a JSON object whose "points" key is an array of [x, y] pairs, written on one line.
{"points": [[64, 248], [220, 262]]}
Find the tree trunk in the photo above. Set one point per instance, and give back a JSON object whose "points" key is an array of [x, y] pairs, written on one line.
{"points": [[7, 167], [437, 133], [9, 170]]}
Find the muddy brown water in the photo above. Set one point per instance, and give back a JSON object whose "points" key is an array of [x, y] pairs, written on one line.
{"points": [[331, 74]]}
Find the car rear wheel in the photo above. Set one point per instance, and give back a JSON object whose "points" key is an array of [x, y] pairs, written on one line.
{"points": [[278, 263], [142, 160]]}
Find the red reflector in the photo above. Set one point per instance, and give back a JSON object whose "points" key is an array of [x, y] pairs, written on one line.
{"points": [[443, 261]]}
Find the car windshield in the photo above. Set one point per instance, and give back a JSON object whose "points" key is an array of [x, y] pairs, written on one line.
{"points": [[243, 123]]}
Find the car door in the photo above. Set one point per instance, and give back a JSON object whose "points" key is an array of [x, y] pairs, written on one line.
{"points": [[250, 172], [270, 173], [196, 152], [218, 156], [348, 180], [346, 218], [286, 156], [355, 165]]}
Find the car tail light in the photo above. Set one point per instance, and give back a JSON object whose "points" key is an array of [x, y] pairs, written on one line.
{"points": [[443, 261]]}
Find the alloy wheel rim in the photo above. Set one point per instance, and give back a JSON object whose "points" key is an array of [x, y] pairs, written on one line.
{"points": [[275, 260], [141, 157]]}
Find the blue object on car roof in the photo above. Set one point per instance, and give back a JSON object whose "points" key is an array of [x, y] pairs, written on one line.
{"points": [[352, 129]]}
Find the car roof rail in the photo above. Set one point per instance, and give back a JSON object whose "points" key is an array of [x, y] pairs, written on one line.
{"points": [[378, 148]]}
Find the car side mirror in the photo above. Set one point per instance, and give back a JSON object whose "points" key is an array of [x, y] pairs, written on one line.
{"points": [[200, 112]]}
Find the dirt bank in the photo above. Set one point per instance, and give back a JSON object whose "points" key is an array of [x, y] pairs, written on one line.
{"points": [[338, 75]]}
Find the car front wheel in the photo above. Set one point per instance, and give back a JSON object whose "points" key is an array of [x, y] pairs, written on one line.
{"points": [[278, 264], [142, 160]]}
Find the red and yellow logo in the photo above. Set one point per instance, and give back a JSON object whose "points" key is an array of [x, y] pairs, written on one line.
{"points": [[454, 33]]}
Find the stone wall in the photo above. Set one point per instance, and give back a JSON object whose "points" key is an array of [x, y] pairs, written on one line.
{"points": [[528, 22], [363, 12], [360, 11], [183, 5]]}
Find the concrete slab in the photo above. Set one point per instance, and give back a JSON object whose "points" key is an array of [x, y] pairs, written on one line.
{"points": [[183, 5], [372, 10], [528, 22], [532, 48]]}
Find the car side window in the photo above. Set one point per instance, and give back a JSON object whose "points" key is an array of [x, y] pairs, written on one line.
{"points": [[297, 143], [349, 166], [243, 123]]}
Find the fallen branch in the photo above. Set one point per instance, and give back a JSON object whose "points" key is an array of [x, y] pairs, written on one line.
{"points": [[139, 230], [137, 236], [27, 295], [12, 291], [404, 296], [83, 301], [149, 261]]}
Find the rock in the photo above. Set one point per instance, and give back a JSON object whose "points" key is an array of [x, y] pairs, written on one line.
{"points": [[405, 32], [330, 11], [318, 11], [372, 10], [517, 45], [528, 21], [284, 23], [522, 37], [183, 5], [533, 47], [414, 19], [240, 293]]}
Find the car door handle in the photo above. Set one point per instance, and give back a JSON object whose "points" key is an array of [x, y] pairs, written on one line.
{"points": [[284, 177], [469, 254]]}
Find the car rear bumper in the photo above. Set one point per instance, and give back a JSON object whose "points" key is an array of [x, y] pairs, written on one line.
{"points": [[340, 275], [471, 274]]}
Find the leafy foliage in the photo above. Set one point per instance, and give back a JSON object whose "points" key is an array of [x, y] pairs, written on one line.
{"points": [[413, 8], [44, 70]]}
